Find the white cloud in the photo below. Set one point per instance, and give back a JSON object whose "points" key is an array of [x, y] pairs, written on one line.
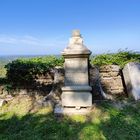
{"points": [[7, 40], [31, 41]]}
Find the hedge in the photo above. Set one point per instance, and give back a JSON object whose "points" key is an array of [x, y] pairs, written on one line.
{"points": [[24, 71], [120, 58]]}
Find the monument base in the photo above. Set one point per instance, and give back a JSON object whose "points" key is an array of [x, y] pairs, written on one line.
{"points": [[76, 96], [59, 110]]}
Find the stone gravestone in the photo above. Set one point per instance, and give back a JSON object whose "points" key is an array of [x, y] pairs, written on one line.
{"points": [[76, 93], [131, 73]]}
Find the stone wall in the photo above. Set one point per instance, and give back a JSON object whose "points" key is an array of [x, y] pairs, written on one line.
{"points": [[45, 79], [106, 79], [42, 84], [111, 79], [95, 83]]}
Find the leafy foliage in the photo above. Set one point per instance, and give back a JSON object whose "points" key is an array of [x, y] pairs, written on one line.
{"points": [[25, 70], [121, 58]]}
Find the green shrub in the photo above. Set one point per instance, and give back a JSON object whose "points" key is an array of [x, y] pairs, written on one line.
{"points": [[24, 71], [121, 58]]}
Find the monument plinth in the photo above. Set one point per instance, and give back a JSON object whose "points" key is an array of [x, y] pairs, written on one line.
{"points": [[76, 92]]}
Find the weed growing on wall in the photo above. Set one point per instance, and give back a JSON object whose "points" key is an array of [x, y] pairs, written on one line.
{"points": [[121, 58]]}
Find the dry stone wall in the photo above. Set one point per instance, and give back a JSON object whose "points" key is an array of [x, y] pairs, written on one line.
{"points": [[111, 79], [107, 79], [45, 79]]}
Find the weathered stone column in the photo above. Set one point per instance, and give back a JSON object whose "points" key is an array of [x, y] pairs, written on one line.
{"points": [[76, 92]]}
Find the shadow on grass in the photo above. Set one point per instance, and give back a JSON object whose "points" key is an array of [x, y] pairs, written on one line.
{"points": [[38, 127], [116, 125], [123, 124]]}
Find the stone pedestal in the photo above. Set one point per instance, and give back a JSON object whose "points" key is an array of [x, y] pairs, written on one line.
{"points": [[76, 96], [76, 93]]}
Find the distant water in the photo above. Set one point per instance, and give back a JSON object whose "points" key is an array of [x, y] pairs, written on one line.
{"points": [[4, 59], [13, 57]]}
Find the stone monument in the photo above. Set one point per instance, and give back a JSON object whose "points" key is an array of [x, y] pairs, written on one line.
{"points": [[76, 93], [131, 73]]}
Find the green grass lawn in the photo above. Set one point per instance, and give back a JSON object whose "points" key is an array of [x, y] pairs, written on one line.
{"points": [[21, 119]]}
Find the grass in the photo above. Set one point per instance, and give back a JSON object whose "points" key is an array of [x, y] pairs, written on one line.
{"points": [[2, 72], [22, 119]]}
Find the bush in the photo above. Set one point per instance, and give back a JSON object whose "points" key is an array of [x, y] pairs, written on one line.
{"points": [[24, 70], [121, 58]]}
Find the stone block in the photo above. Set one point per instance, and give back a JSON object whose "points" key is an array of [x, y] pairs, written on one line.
{"points": [[74, 96], [116, 91], [131, 73], [115, 68], [71, 111], [76, 71], [109, 68], [105, 74], [114, 74], [75, 99]]}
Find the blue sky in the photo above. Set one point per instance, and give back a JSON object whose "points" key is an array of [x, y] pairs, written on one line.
{"points": [[44, 26]]}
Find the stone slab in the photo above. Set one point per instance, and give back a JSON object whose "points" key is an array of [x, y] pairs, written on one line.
{"points": [[73, 98], [131, 73], [76, 71], [59, 110], [77, 88]]}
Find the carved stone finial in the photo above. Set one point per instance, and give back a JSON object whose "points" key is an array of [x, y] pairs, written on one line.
{"points": [[76, 45], [76, 38], [76, 33]]}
